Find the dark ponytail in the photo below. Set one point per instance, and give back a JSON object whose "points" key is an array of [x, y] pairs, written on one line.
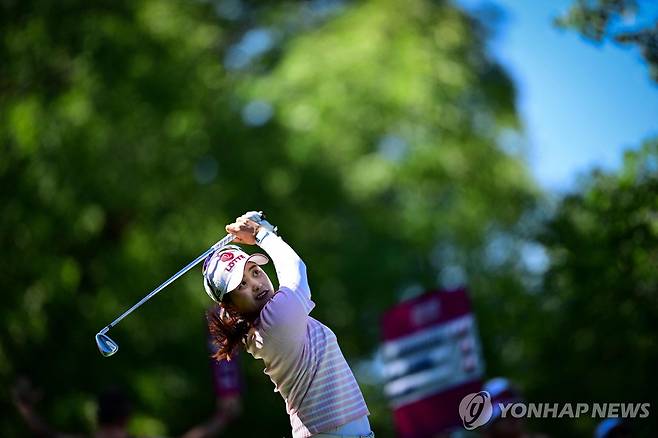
{"points": [[228, 330]]}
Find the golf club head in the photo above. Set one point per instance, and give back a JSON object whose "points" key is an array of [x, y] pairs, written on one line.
{"points": [[106, 345]]}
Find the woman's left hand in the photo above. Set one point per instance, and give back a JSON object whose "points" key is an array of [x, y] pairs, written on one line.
{"points": [[244, 230]]}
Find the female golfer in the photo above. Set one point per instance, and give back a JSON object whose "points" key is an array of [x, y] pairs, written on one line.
{"points": [[301, 355]]}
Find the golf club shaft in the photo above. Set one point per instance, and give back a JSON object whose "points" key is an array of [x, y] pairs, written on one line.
{"points": [[223, 242]]}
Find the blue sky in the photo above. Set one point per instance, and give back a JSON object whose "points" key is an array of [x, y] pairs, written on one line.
{"points": [[582, 104]]}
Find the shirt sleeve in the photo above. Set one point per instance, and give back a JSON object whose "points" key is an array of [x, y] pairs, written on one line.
{"points": [[286, 314]]}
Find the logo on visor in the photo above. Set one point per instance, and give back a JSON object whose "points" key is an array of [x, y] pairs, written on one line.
{"points": [[234, 262], [226, 257]]}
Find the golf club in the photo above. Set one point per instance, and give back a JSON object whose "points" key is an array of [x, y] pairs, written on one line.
{"points": [[108, 347]]}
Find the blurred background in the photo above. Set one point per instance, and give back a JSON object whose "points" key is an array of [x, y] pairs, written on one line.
{"points": [[508, 148]]}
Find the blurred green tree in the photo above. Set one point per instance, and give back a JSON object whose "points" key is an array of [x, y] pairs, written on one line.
{"points": [[382, 140], [598, 20], [594, 337]]}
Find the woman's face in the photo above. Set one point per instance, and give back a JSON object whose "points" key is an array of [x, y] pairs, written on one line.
{"points": [[253, 293]]}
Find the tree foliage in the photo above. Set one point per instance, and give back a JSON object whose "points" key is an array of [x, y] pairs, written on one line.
{"points": [[595, 337], [598, 20]]}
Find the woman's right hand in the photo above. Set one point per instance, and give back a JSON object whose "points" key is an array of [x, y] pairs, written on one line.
{"points": [[244, 230]]}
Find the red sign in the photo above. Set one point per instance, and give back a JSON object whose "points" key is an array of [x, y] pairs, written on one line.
{"points": [[432, 358]]}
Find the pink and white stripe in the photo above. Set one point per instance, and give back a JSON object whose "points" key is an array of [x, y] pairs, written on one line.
{"points": [[301, 355]]}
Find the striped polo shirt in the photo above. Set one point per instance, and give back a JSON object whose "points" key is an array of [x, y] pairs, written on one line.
{"points": [[301, 355]]}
